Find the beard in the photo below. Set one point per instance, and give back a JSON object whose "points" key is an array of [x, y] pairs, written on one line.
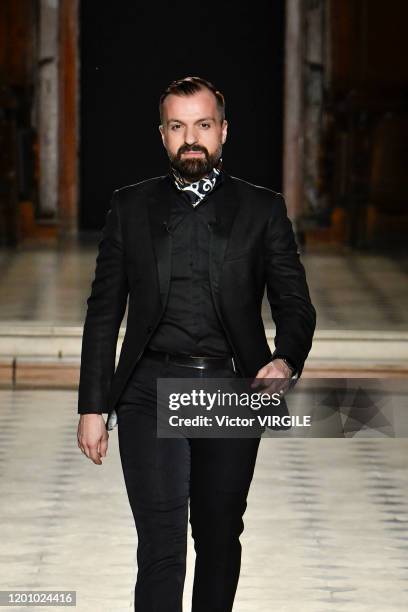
{"points": [[195, 168]]}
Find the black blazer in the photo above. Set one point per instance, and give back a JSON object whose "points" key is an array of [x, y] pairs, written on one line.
{"points": [[252, 245]]}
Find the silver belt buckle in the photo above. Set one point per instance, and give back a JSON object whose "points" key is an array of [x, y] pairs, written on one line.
{"points": [[196, 366]]}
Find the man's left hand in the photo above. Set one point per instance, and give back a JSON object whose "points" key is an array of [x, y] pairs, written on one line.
{"points": [[274, 377]]}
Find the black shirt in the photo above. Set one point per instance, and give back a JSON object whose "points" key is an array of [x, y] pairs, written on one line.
{"points": [[190, 324]]}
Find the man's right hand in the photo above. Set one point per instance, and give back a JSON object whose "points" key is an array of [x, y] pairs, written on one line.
{"points": [[93, 436]]}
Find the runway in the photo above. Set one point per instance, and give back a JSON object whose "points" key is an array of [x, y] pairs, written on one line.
{"points": [[351, 291], [316, 108], [326, 529], [327, 519], [360, 298]]}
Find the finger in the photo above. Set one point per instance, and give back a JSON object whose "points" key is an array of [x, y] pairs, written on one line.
{"points": [[275, 387], [262, 373], [278, 383], [103, 447], [93, 453], [257, 381], [276, 373], [86, 449], [272, 385], [261, 383], [90, 450], [267, 379]]}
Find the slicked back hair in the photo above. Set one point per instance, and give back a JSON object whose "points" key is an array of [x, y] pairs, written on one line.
{"points": [[189, 86]]}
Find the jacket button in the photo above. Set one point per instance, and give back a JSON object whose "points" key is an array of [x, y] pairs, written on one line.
{"points": [[149, 328]]}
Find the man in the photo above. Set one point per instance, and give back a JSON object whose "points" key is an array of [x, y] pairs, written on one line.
{"points": [[193, 250]]}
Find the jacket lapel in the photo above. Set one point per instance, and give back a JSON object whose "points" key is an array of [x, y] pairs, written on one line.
{"points": [[159, 209], [226, 205]]}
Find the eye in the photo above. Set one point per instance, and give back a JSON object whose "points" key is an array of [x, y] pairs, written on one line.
{"points": [[175, 126], [205, 125]]}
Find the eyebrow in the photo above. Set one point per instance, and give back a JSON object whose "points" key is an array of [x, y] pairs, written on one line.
{"points": [[198, 120]]}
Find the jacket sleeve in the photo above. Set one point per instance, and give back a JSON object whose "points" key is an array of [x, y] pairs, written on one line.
{"points": [[287, 291], [106, 307]]}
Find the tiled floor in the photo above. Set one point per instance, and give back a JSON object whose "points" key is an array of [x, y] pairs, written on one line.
{"points": [[350, 292], [327, 519], [326, 524]]}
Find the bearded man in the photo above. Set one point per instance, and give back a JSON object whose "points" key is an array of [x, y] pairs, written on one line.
{"points": [[193, 252]]}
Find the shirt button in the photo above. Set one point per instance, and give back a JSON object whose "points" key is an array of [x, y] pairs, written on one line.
{"points": [[149, 328]]}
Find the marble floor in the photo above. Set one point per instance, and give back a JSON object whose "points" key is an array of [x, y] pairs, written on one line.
{"points": [[327, 519], [350, 291], [326, 528]]}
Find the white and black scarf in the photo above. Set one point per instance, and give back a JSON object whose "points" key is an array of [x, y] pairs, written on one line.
{"points": [[199, 189]]}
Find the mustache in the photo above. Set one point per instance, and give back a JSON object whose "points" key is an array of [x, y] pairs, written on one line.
{"points": [[187, 148]]}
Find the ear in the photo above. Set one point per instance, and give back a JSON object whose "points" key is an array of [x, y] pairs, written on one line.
{"points": [[224, 131], [161, 130]]}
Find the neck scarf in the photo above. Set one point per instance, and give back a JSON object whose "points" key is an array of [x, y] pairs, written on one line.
{"points": [[197, 191]]}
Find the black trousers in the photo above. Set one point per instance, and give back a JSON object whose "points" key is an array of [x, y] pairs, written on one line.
{"points": [[162, 475]]}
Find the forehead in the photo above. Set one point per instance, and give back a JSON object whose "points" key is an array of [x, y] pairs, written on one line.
{"points": [[200, 104]]}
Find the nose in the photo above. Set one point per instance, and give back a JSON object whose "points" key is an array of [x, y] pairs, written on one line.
{"points": [[190, 136]]}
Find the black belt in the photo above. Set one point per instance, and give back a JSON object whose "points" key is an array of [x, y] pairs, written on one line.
{"points": [[191, 361]]}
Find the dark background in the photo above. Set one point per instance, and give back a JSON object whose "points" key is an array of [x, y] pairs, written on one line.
{"points": [[130, 52]]}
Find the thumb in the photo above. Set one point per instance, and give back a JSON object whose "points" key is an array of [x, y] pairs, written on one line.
{"points": [[260, 374], [263, 372]]}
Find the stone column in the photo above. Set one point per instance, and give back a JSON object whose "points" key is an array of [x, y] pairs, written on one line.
{"points": [[293, 124], [48, 107], [68, 118]]}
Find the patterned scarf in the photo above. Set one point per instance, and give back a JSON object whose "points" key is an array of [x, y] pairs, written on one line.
{"points": [[198, 190]]}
